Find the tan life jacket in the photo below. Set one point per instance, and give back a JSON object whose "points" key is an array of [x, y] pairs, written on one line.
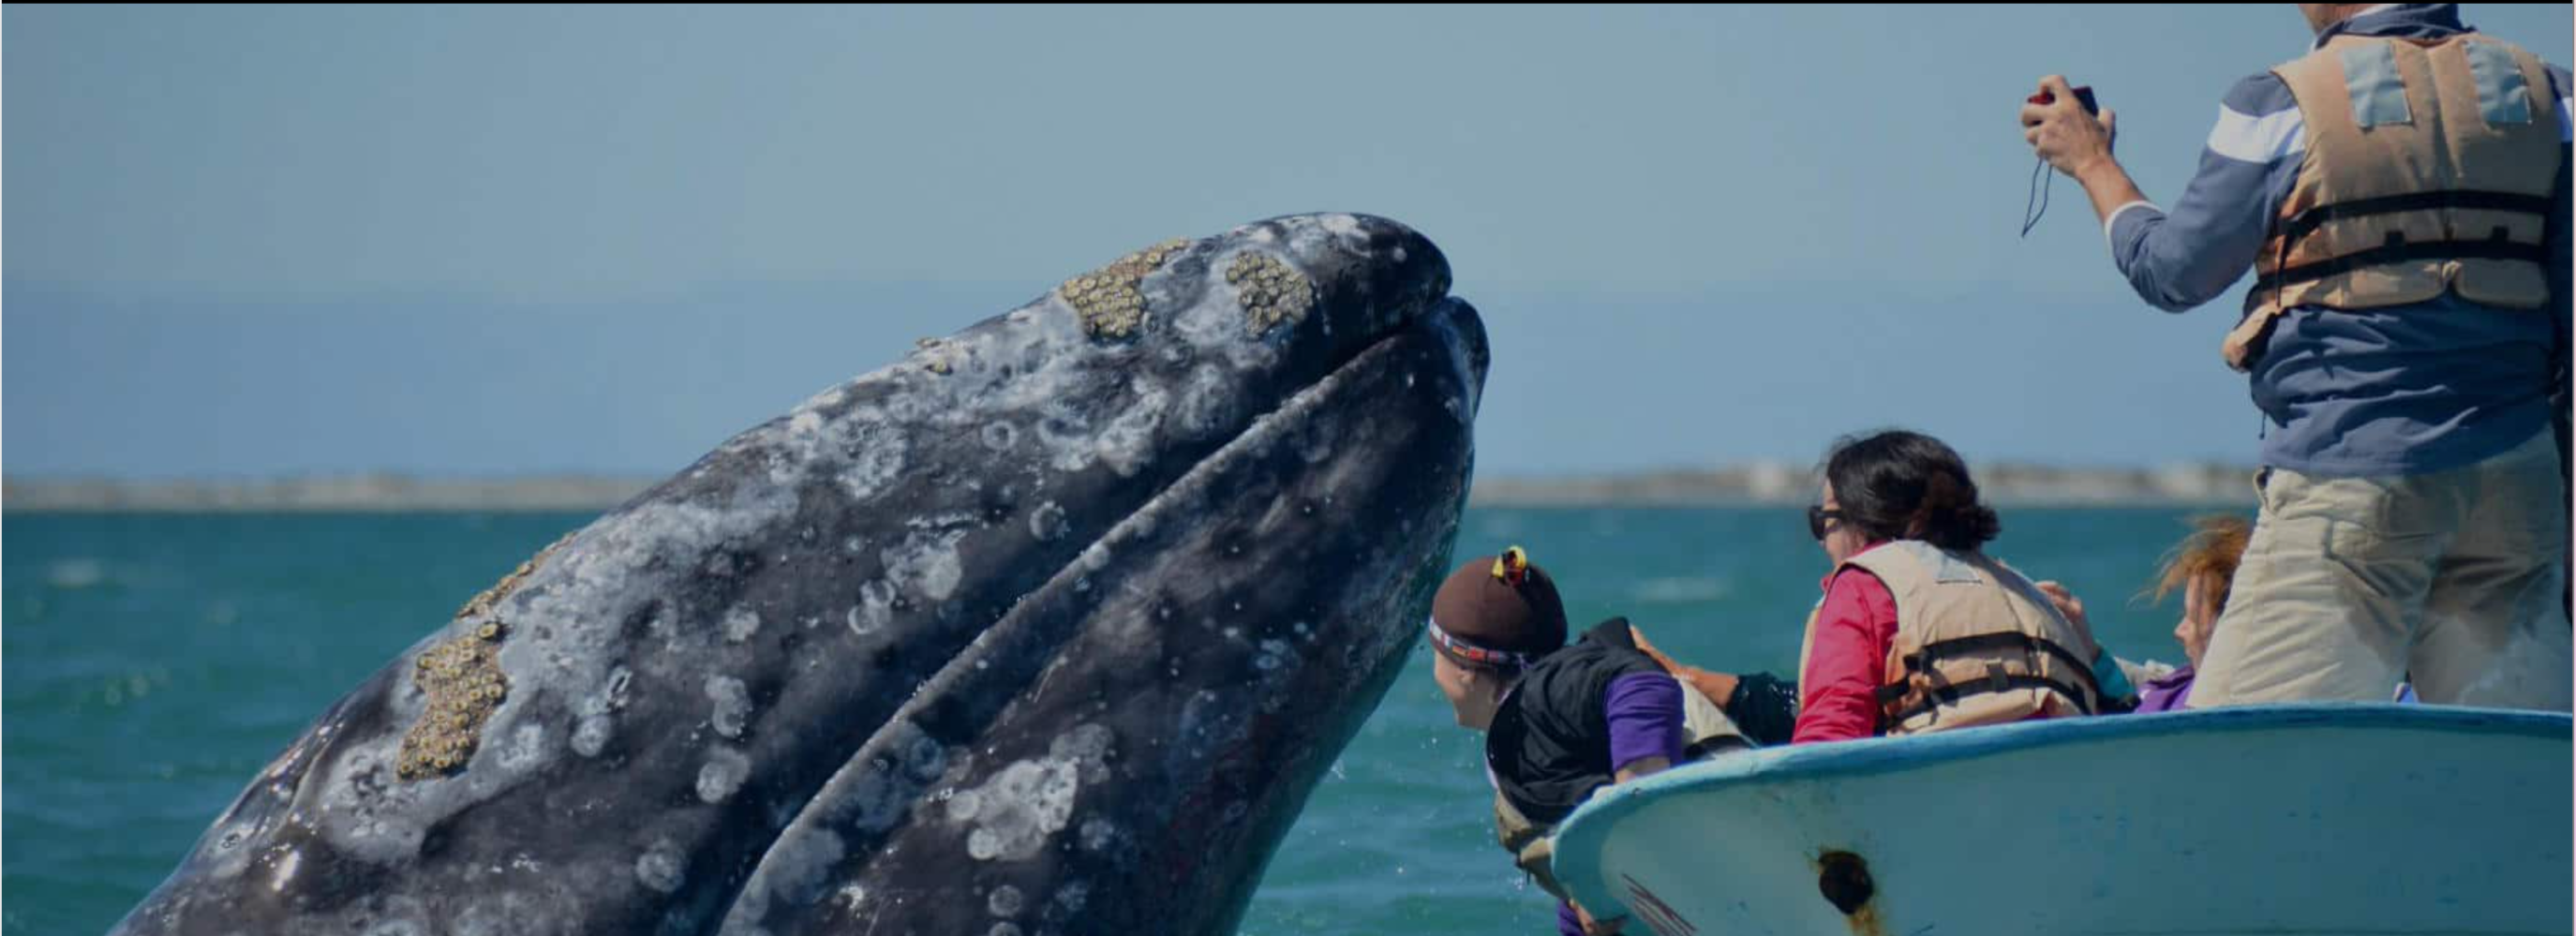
{"points": [[1706, 732], [2429, 169], [1976, 644]]}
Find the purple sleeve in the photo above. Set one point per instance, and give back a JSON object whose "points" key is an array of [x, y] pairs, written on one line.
{"points": [[1645, 718], [2166, 693], [1567, 924]]}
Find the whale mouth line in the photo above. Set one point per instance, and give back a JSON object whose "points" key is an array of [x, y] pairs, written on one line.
{"points": [[1029, 623]]}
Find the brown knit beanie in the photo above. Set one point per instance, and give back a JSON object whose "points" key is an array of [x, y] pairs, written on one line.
{"points": [[1498, 612]]}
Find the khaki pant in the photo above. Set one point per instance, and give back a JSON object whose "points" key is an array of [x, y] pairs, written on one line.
{"points": [[2352, 585]]}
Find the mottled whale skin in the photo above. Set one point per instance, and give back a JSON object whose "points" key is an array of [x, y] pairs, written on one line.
{"points": [[1049, 627]]}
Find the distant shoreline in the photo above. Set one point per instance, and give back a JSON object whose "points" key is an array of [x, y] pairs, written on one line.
{"points": [[1755, 484]]}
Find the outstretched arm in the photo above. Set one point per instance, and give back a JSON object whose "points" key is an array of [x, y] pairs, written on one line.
{"points": [[2176, 261]]}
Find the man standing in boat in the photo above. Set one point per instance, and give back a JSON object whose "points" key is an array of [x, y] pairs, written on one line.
{"points": [[2401, 192]]}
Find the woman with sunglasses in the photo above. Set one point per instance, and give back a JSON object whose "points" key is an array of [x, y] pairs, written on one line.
{"points": [[1919, 630]]}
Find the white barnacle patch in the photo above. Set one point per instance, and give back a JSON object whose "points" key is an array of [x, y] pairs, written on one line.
{"points": [[946, 521], [1087, 748], [876, 455], [722, 774], [1065, 433], [874, 610], [1022, 806], [527, 747], [801, 444], [963, 806], [593, 723], [1098, 835], [1047, 523], [732, 705], [1072, 896], [590, 735], [999, 435], [1005, 901], [740, 624], [1127, 442], [662, 867], [927, 563]]}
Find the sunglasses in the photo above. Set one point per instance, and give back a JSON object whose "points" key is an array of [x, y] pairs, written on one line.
{"points": [[1816, 517]]}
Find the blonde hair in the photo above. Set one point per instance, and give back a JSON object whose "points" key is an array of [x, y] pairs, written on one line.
{"points": [[2210, 554]]}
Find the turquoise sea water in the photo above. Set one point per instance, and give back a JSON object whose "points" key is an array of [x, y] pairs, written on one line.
{"points": [[153, 663]]}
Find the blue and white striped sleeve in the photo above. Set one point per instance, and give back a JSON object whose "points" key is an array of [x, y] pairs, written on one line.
{"points": [[2177, 260]]}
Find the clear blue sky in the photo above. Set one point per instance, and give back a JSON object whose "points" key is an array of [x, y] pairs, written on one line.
{"points": [[248, 241]]}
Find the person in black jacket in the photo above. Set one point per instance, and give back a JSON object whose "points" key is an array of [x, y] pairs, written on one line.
{"points": [[1560, 720]]}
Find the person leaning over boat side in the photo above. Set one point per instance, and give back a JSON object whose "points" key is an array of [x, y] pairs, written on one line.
{"points": [[1919, 629], [2402, 193], [1559, 721]]}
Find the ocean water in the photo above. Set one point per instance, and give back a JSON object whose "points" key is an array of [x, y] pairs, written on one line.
{"points": [[154, 663]]}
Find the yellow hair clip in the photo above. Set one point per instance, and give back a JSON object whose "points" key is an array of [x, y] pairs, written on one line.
{"points": [[1512, 567]]}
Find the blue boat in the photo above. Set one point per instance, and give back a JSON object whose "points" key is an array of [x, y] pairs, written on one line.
{"points": [[2311, 819]]}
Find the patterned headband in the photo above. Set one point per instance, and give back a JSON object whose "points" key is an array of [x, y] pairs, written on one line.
{"points": [[1459, 649]]}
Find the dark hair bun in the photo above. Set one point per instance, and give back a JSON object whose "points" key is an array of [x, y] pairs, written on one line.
{"points": [[1906, 485], [1950, 517]]}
